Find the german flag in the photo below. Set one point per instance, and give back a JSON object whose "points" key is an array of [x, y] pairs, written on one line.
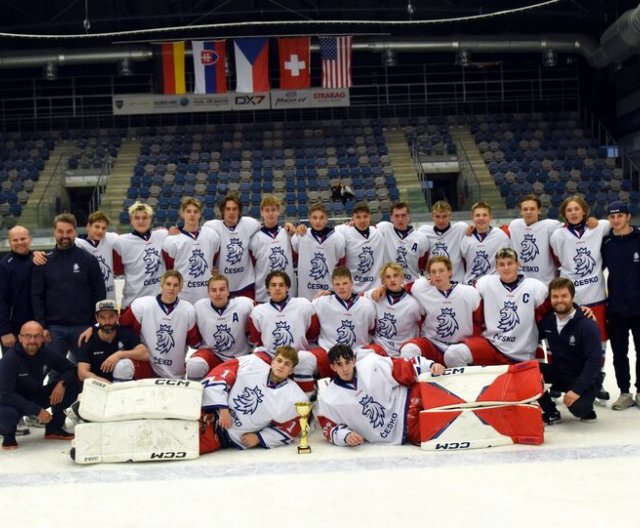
{"points": [[170, 64]]}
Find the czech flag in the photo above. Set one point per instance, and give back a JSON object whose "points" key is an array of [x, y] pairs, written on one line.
{"points": [[172, 62], [209, 66], [252, 64]]}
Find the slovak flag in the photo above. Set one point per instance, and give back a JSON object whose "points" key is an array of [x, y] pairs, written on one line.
{"points": [[252, 64], [295, 63], [209, 66]]}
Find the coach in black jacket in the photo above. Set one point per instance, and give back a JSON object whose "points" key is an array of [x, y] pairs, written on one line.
{"points": [[65, 290], [574, 342]]}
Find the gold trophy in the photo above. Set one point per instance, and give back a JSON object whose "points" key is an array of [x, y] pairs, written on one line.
{"points": [[304, 409]]}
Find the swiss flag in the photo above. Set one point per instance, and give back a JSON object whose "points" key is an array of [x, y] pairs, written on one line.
{"points": [[295, 63]]}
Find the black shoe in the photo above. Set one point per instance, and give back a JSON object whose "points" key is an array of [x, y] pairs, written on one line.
{"points": [[591, 416], [554, 393], [552, 417], [603, 395], [57, 434], [9, 442]]}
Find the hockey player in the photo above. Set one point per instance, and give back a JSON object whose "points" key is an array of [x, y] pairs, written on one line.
{"points": [[166, 325], [253, 403], [574, 341], [138, 255], [403, 244], [478, 249], [270, 247], [192, 251], [376, 400], [100, 357], [317, 252], [364, 249], [235, 232], [223, 324], [451, 309], [99, 242], [445, 238]]}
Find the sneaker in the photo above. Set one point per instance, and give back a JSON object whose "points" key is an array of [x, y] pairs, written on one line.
{"points": [[32, 421], [9, 443], [603, 395], [57, 434], [638, 399], [555, 393], [552, 417], [624, 401], [591, 416], [22, 429]]}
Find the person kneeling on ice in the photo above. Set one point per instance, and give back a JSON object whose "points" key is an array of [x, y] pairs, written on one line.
{"points": [[376, 400], [247, 403], [574, 341], [22, 373]]}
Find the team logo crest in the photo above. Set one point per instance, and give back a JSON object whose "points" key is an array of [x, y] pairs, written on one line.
{"points": [[319, 269], [584, 262], [282, 334], [197, 263], [278, 260], [372, 410], [365, 262], [480, 264], [234, 251], [386, 326], [151, 261], [508, 317], [401, 256], [104, 268], [164, 339], [447, 324], [528, 248], [440, 250], [346, 333], [222, 338], [248, 401]]}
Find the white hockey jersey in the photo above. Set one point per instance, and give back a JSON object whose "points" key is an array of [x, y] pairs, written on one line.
{"points": [[364, 256], [192, 254], [225, 331], [348, 323], [271, 253], [409, 250], [103, 251], [316, 259], [141, 263], [533, 248], [581, 260], [479, 253], [510, 315], [256, 404], [234, 259], [447, 244]]}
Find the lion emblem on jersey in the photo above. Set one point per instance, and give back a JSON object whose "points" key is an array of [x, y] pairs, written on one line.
{"points": [[248, 401], [401, 256], [508, 317], [104, 268], [372, 410], [319, 268], [447, 324], [197, 263], [346, 333], [278, 260], [151, 261], [282, 334], [480, 265], [386, 326], [164, 339], [440, 250], [365, 262], [222, 338], [528, 248], [234, 251], [585, 263]]}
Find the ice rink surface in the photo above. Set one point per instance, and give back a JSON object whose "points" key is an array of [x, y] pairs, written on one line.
{"points": [[585, 474]]}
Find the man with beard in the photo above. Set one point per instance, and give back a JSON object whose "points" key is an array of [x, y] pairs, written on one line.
{"points": [[100, 357]]}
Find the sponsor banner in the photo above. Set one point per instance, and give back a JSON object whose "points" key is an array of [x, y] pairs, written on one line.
{"points": [[172, 104], [313, 98]]}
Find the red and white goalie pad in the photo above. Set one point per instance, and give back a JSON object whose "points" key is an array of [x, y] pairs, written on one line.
{"points": [[465, 387], [489, 426], [144, 399]]}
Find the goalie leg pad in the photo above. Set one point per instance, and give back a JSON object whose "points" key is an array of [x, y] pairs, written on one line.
{"points": [[135, 441], [145, 399]]}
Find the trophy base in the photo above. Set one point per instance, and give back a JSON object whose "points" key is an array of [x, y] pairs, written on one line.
{"points": [[304, 450]]}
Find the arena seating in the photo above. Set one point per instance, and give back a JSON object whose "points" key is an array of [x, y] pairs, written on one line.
{"points": [[93, 147]]}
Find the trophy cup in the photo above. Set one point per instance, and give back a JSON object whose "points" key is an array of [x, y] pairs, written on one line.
{"points": [[304, 409]]}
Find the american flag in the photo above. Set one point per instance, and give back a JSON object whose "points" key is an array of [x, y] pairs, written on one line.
{"points": [[336, 62]]}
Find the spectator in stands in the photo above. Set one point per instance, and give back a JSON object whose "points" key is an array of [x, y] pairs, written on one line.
{"points": [[346, 193]]}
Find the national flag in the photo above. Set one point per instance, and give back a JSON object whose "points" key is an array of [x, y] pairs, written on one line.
{"points": [[252, 64], [335, 53], [172, 67], [295, 63], [209, 66]]}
